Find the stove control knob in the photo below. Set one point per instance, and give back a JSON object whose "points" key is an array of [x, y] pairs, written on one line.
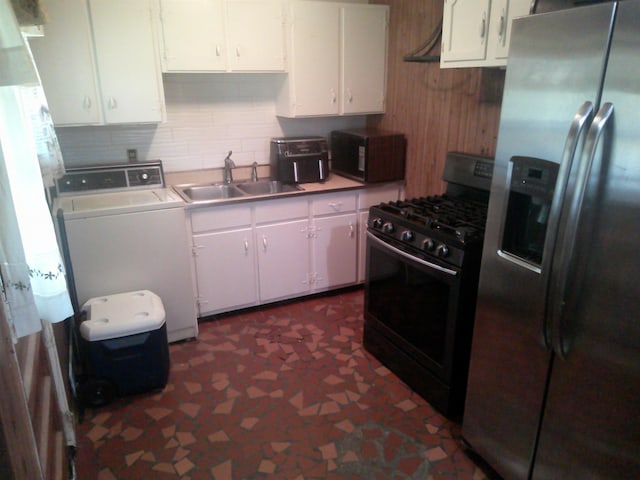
{"points": [[428, 245], [407, 236], [388, 228], [144, 177], [442, 250], [377, 223]]}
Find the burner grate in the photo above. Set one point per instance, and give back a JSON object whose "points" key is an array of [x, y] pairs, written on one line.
{"points": [[460, 217]]}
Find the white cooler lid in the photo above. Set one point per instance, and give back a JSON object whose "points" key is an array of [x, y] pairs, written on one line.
{"points": [[121, 315]]}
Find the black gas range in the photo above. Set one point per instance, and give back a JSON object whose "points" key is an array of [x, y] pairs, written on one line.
{"points": [[443, 225], [423, 262]]}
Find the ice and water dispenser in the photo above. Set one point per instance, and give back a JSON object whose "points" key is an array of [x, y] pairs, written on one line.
{"points": [[531, 191]]}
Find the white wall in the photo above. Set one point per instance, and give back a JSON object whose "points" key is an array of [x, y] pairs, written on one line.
{"points": [[207, 115]]}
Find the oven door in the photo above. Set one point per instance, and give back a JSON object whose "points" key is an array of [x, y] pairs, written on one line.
{"points": [[412, 300]]}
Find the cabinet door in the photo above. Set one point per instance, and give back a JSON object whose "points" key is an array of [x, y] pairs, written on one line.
{"points": [[225, 270], [314, 64], [283, 259], [193, 35], [255, 35], [363, 217], [334, 250], [465, 28], [64, 58], [127, 61], [502, 14], [364, 58]]}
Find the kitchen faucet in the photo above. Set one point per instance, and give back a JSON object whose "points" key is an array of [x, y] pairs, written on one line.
{"points": [[228, 165], [254, 172]]}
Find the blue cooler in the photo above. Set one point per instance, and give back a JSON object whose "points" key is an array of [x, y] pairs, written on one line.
{"points": [[124, 341]]}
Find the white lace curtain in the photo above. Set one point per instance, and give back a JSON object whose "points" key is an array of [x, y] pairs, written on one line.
{"points": [[30, 262]]}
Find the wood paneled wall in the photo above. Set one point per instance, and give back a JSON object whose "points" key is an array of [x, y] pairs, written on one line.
{"points": [[438, 110]]}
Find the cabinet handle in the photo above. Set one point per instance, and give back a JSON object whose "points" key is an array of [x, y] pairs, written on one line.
{"points": [[246, 246], [483, 26], [264, 242], [337, 206], [352, 230], [238, 51], [334, 97], [502, 28], [349, 95], [218, 50], [112, 104], [86, 104]]}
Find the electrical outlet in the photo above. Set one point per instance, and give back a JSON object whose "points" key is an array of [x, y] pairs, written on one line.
{"points": [[132, 155]]}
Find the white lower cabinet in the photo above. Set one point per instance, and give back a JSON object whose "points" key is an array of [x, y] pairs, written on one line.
{"points": [[282, 242], [334, 251], [260, 252], [334, 239], [224, 258], [363, 217], [225, 270], [283, 259]]}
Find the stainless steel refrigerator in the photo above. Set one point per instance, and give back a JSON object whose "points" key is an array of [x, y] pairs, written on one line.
{"points": [[554, 380]]}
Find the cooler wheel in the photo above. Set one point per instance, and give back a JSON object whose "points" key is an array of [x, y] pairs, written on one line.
{"points": [[97, 392]]}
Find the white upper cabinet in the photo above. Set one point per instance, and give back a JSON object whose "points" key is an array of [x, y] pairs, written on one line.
{"points": [[98, 62], [73, 98], [475, 33], [503, 12], [337, 56], [255, 35], [363, 58], [222, 35], [465, 25], [127, 60], [313, 83], [193, 35]]}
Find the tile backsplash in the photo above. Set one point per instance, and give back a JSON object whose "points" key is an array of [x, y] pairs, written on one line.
{"points": [[207, 115]]}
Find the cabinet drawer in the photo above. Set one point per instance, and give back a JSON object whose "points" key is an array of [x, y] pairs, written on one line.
{"points": [[285, 209], [222, 217], [334, 203]]}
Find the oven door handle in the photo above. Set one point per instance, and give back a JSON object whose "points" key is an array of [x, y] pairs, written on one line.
{"points": [[384, 244]]}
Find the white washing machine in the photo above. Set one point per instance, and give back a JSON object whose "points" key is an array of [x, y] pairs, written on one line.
{"points": [[122, 230]]}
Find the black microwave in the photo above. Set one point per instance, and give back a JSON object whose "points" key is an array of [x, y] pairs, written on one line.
{"points": [[368, 155]]}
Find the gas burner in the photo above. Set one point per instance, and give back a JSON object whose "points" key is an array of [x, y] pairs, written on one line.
{"points": [[459, 218]]}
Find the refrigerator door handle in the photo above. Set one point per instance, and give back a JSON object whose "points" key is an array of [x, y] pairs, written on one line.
{"points": [[578, 126], [559, 276]]}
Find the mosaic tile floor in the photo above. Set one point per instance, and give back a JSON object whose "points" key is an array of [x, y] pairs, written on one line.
{"points": [[286, 392]]}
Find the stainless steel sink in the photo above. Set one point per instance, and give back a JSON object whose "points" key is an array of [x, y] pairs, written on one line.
{"points": [[218, 192], [204, 193], [266, 187]]}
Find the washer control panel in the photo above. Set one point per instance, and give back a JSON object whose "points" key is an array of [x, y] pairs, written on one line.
{"points": [[112, 177]]}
